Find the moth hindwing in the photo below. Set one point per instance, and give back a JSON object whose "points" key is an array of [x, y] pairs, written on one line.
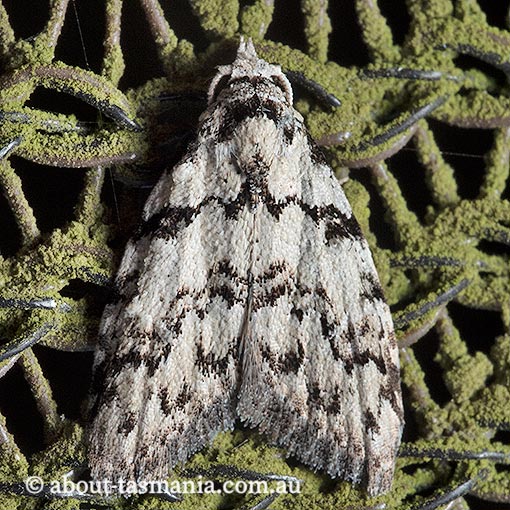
{"points": [[248, 293]]}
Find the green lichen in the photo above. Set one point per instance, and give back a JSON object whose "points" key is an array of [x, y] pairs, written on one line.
{"points": [[317, 28], [13, 463], [376, 32], [439, 174], [465, 374], [53, 462], [218, 18], [255, 18]]}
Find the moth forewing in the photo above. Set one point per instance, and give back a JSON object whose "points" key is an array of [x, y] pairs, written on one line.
{"points": [[248, 292]]}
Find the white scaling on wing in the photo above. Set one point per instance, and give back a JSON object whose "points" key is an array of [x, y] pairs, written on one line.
{"points": [[248, 293]]}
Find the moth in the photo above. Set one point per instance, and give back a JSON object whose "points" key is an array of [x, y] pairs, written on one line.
{"points": [[250, 293]]}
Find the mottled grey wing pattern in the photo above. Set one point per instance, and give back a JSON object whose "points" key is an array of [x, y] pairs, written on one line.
{"points": [[320, 373], [249, 292], [166, 369]]}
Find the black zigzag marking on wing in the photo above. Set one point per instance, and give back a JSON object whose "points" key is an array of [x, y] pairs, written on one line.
{"points": [[331, 332], [168, 223], [338, 224], [389, 390], [372, 289], [285, 362], [172, 219]]}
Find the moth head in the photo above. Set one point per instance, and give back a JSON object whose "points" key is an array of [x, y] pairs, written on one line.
{"points": [[248, 65]]}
